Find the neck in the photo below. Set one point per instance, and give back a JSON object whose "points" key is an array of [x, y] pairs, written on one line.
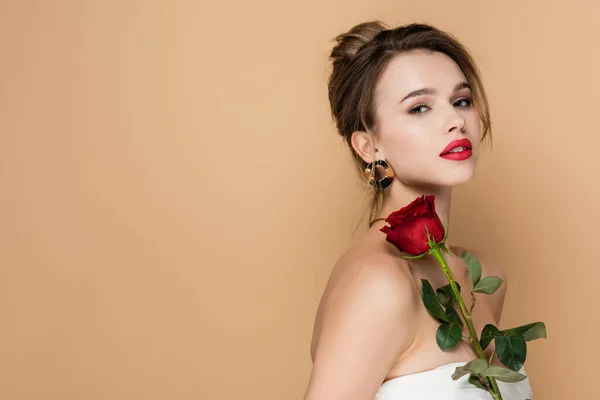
{"points": [[398, 195]]}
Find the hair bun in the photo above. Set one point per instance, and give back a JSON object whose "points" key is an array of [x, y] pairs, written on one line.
{"points": [[350, 42]]}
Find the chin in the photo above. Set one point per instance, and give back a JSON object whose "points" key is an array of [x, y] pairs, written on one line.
{"points": [[458, 178], [454, 176], [437, 176], [448, 180]]}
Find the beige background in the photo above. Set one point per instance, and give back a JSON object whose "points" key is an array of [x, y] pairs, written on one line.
{"points": [[173, 193]]}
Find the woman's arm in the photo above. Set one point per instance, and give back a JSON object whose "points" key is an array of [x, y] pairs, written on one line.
{"points": [[368, 321]]}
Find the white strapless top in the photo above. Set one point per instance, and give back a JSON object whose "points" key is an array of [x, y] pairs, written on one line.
{"points": [[438, 384]]}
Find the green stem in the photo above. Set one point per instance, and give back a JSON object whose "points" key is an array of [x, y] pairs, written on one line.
{"points": [[437, 254], [496, 392], [491, 357]]}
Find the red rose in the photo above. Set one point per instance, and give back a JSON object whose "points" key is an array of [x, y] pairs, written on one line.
{"points": [[407, 226]]}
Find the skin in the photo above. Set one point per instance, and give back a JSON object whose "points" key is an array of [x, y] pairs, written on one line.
{"points": [[371, 324]]}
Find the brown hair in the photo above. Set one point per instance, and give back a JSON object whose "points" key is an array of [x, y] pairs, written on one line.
{"points": [[358, 60]]}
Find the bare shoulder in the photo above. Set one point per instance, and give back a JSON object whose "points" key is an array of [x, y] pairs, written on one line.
{"points": [[490, 268], [370, 263], [364, 322]]}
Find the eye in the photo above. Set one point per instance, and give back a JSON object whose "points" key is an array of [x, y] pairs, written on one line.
{"points": [[418, 109], [464, 102]]}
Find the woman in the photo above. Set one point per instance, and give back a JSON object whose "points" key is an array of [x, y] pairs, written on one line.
{"points": [[409, 100]]}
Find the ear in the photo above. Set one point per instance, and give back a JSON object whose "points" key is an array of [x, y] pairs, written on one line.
{"points": [[365, 146]]}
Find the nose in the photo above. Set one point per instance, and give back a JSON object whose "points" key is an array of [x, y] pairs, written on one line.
{"points": [[454, 122]]}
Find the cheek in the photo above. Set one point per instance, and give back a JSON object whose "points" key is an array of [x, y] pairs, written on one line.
{"points": [[474, 124], [418, 136], [411, 145]]}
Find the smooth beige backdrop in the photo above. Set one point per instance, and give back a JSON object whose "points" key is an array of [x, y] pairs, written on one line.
{"points": [[173, 194]]}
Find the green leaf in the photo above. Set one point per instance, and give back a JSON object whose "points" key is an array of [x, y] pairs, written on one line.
{"points": [[446, 235], [474, 379], [473, 265], [448, 336], [503, 374], [512, 351], [453, 316], [476, 366], [459, 372], [431, 302], [446, 249], [488, 334], [445, 294], [531, 331], [488, 285], [443, 298]]}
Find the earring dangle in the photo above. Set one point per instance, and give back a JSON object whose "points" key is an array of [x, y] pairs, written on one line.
{"points": [[383, 182]]}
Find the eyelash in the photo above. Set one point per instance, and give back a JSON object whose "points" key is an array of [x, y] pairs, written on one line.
{"points": [[418, 106]]}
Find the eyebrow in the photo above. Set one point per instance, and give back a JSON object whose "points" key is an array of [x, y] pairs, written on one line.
{"points": [[430, 91]]}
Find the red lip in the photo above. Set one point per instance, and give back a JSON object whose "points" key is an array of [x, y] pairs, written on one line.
{"points": [[456, 143], [459, 156]]}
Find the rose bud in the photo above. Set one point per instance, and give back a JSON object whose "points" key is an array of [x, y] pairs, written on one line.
{"points": [[412, 226]]}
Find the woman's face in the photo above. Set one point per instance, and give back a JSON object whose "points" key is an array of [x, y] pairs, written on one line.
{"points": [[423, 104]]}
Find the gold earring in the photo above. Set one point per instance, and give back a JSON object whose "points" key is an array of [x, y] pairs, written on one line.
{"points": [[383, 182]]}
